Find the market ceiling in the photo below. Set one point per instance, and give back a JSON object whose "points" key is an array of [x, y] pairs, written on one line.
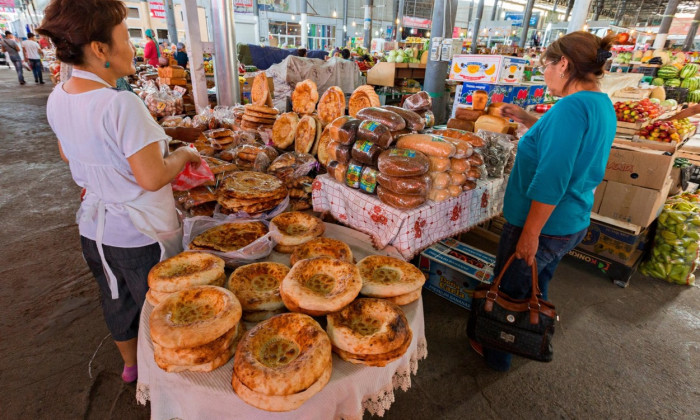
{"points": [[649, 8]]}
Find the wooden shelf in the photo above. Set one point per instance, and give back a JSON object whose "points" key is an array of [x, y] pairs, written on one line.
{"points": [[385, 74]]}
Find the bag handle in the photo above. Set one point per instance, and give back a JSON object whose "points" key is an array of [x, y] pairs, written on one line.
{"points": [[533, 304]]}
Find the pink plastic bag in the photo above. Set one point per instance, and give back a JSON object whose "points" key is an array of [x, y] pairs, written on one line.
{"points": [[190, 177]]}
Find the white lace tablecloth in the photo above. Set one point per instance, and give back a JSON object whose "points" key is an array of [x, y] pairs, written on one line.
{"points": [[409, 231], [351, 390]]}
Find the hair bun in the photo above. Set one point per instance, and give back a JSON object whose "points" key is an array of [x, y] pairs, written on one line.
{"points": [[603, 56]]}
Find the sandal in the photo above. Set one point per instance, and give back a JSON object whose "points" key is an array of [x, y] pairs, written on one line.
{"points": [[130, 373]]}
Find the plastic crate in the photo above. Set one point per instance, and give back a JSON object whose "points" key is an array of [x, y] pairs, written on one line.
{"points": [[678, 93], [645, 70]]}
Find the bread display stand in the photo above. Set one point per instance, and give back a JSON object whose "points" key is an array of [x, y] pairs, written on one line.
{"points": [[409, 231], [352, 388]]}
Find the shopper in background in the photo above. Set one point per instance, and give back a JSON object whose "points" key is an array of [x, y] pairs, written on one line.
{"points": [[32, 56], [181, 55], [301, 52], [44, 42], [12, 48], [345, 53], [119, 154], [560, 161], [151, 52]]}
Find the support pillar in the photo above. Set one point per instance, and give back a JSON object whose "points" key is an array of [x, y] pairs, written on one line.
{"points": [[402, 7], [526, 21], [170, 21], [226, 62], [621, 9], [256, 26], [195, 53], [671, 8], [477, 24], [639, 11], [688, 44], [471, 12], [554, 12], [579, 16], [304, 25], [493, 10], [368, 23], [444, 13], [599, 4], [345, 23], [569, 6]]}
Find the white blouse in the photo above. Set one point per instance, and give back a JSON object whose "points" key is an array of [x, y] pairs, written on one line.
{"points": [[98, 130]]}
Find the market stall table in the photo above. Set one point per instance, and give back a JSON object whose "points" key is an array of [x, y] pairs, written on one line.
{"points": [[351, 390], [409, 231]]}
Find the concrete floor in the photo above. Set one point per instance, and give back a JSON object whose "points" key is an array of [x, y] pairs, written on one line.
{"points": [[620, 353]]}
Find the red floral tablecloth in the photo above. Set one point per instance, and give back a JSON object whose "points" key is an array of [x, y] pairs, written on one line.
{"points": [[413, 230]]}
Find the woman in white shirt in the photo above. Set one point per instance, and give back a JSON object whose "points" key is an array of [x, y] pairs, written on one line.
{"points": [[119, 154]]}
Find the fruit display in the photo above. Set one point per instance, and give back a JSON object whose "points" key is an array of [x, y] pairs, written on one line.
{"points": [[691, 83], [673, 82], [634, 111], [406, 55], [657, 81], [694, 96], [684, 127], [674, 255], [664, 131], [623, 58], [689, 70], [668, 72]]}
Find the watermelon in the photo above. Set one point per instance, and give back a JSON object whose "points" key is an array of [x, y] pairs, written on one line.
{"points": [[668, 72], [657, 82], [673, 82], [689, 70], [690, 83], [694, 96]]}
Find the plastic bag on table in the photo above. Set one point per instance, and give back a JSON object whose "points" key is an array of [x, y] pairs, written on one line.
{"points": [[496, 152], [258, 249], [291, 165], [172, 121], [191, 177], [254, 156], [278, 209], [674, 255]]}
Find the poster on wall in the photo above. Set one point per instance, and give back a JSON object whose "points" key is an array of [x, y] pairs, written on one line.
{"points": [[416, 22], [157, 9], [7, 4], [516, 18], [273, 5]]}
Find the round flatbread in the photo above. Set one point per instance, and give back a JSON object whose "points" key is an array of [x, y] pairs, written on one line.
{"points": [[377, 360], [407, 298], [295, 228], [184, 270], [319, 286], [228, 237], [368, 326], [260, 90], [331, 105], [250, 185], [283, 356], [197, 355], [284, 249], [262, 120], [304, 97], [363, 97], [219, 361], [305, 135], [262, 109], [279, 403], [252, 113], [322, 153], [319, 131], [194, 317], [259, 316], [284, 130], [152, 299], [322, 247], [384, 276], [257, 285]]}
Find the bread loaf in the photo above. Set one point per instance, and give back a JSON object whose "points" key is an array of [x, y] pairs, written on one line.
{"points": [[460, 124], [428, 144], [414, 121], [457, 178], [399, 201], [439, 164], [438, 195], [411, 185], [418, 102], [353, 175], [454, 190], [468, 114], [495, 109], [440, 180], [491, 123], [366, 152], [392, 120], [337, 170], [368, 180], [479, 100], [459, 165], [468, 186], [375, 132], [338, 152], [402, 162], [475, 160], [343, 129]]}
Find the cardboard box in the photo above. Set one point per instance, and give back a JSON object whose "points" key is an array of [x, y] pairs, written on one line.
{"points": [[640, 167], [487, 68], [496, 92], [537, 94], [453, 270], [616, 243], [598, 196], [633, 204], [247, 86]]}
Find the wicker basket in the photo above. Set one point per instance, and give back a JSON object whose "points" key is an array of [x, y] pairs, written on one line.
{"points": [[678, 93]]}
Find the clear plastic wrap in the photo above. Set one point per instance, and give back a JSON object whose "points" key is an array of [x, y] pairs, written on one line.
{"points": [[412, 185], [403, 162], [375, 132], [438, 195], [439, 164], [292, 165], [366, 152], [496, 152], [454, 190], [339, 152], [354, 174], [469, 185], [457, 178], [344, 129], [459, 165], [418, 102], [258, 249], [674, 256], [368, 180], [399, 201], [440, 180], [337, 171]]}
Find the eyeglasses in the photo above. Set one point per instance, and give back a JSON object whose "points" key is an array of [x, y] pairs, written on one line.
{"points": [[543, 67]]}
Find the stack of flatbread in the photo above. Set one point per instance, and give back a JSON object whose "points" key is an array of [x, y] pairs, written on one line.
{"points": [[363, 97], [251, 192], [371, 332], [293, 228], [282, 362], [219, 138], [257, 287], [256, 116], [390, 278], [229, 237], [196, 329], [184, 270]]}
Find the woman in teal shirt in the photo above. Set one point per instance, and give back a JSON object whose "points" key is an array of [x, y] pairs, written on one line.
{"points": [[560, 161]]}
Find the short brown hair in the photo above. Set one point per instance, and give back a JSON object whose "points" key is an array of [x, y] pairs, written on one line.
{"points": [[72, 24], [585, 52]]}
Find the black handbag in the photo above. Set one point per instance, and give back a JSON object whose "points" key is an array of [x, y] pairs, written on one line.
{"points": [[520, 326]]}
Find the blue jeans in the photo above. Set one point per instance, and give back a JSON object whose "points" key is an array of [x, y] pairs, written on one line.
{"points": [[517, 281], [35, 64], [18, 67]]}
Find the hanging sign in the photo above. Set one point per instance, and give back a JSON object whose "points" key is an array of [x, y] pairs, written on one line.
{"points": [[157, 9], [455, 32], [243, 3], [7, 4], [415, 22], [516, 18]]}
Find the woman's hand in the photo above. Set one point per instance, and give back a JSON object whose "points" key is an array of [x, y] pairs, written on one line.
{"points": [[191, 155], [517, 114], [526, 249]]}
